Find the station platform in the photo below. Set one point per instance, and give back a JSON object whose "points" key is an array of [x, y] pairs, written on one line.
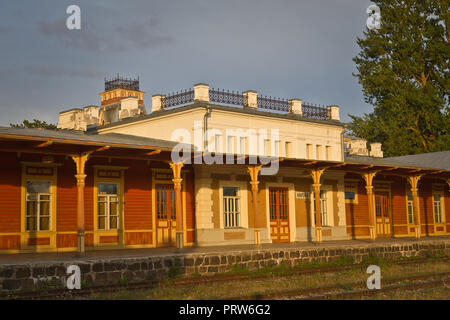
{"points": [[108, 254]]}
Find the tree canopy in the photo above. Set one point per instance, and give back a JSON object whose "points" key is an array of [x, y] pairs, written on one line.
{"points": [[403, 68], [34, 124]]}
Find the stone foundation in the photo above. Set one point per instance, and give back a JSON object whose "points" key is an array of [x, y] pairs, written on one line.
{"points": [[97, 272]]}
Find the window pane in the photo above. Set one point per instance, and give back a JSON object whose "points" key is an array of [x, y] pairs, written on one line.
{"points": [[101, 222], [350, 195], [101, 209], [31, 223], [230, 191], [107, 188], [113, 222], [113, 208], [44, 223], [31, 208], [36, 186], [44, 209], [410, 197]]}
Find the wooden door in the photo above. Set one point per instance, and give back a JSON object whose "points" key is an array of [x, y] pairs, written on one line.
{"points": [[383, 214], [165, 215], [279, 214]]}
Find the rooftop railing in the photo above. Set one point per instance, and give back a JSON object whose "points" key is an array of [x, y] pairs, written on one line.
{"points": [[249, 99]]}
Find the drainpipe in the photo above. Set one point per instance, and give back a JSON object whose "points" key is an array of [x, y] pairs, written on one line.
{"points": [[205, 126]]}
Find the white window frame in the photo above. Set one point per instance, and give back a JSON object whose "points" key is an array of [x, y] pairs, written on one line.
{"points": [[439, 214], [326, 198], [38, 207], [233, 203], [410, 206], [107, 207], [243, 191]]}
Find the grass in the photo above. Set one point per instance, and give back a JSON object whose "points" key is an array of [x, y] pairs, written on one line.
{"points": [[259, 286]]}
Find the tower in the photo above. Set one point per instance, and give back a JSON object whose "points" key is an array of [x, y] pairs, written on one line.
{"points": [[121, 99]]}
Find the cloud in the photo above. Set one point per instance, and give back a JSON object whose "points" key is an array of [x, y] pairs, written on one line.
{"points": [[61, 71], [6, 29], [83, 39], [123, 38]]}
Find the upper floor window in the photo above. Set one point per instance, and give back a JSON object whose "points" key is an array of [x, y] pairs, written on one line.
{"points": [[231, 207], [288, 146], [242, 145], [218, 143], [309, 150], [328, 152], [230, 144], [108, 206], [38, 202], [318, 152]]}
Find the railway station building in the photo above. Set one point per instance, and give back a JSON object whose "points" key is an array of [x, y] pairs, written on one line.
{"points": [[208, 167]]}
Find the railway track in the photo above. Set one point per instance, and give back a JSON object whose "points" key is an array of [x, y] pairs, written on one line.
{"points": [[58, 293], [355, 289]]}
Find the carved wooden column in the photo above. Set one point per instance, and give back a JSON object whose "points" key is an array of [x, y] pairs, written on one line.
{"points": [[80, 161], [177, 181], [316, 174], [254, 171], [414, 183], [368, 178]]}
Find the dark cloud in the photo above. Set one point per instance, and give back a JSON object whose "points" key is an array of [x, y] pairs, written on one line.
{"points": [[59, 71], [5, 29], [123, 38]]}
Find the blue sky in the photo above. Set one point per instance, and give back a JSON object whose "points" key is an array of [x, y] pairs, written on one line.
{"points": [[286, 48]]}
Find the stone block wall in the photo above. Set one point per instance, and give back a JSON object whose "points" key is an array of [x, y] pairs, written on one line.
{"points": [[98, 272]]}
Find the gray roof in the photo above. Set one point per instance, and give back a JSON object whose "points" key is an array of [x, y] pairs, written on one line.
{"points": [[398, 162], [439, 160], [82, 137]]}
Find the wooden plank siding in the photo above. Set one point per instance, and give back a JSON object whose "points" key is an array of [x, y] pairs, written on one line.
{"points": [[10, 194], [357, 217]]}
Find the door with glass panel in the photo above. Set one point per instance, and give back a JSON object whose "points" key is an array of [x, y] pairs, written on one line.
{"points": [[279, 214], [438, 212], [108, 206], [166, 224], [383, 214], [38, 206]]}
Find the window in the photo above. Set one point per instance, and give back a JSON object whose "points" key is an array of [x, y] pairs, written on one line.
{"points": [[231, 207], [277, 149], [242, 145], [230, 144], [165, 202], [288, 149], [217, 143], [410, 208], [437, 207], [38, 205], [309, 151], [318, 152], [267, 147], [323, 207], [350, 195], [328, 152], [108, 206]]}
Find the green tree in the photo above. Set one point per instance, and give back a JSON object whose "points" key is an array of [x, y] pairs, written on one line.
{"points": [[34, 124], [403, 68]]}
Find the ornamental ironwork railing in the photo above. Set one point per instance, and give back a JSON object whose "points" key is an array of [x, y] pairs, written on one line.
{"points": [[310, 111], [315, 112], [275, 104], [123, 83], [177, 98], [226, 97]]}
